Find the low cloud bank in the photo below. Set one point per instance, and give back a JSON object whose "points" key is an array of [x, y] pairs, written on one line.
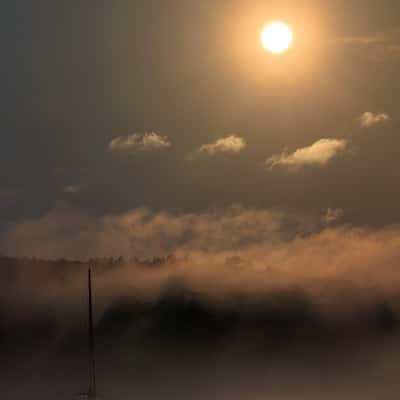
{"points": [[245, 252], [260, 287]]}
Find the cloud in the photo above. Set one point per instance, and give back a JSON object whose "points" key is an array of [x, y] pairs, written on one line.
{"points": [[318, 154], [384, 42], [327, 298], [333, 215], [277, 273], [229, 145], [369, 119], [72, 189], [139, 143], [236, 253], [364, 40], [64, 232]]}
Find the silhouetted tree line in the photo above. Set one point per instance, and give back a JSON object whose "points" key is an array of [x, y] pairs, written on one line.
{"points": [[100, 261]]}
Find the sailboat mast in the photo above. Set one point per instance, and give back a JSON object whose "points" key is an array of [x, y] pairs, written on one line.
{"points": [[92, 387]]}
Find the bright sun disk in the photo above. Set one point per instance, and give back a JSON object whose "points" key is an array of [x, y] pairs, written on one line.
{"points": [[276, 37]]}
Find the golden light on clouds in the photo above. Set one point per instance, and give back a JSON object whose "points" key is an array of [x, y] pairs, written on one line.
{"points": [[276, 37]]}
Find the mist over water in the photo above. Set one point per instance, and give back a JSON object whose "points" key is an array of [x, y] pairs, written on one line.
{"points": [[163, 330]]}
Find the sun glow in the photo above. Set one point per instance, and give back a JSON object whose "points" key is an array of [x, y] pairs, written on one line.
{"points": [[276, 37]]}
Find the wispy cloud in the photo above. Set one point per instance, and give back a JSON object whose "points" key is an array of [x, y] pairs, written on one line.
{"points": [[229, 145], [370, 119], [138, 143], [64, 232], [318, 154], [377, 45], [364, 40]]}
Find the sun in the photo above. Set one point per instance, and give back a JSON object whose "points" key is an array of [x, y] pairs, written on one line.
{"points": [[276, 37]]}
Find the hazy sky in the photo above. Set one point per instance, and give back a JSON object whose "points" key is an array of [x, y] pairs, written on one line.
{"points": [[268, 186], [226, 122]]}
